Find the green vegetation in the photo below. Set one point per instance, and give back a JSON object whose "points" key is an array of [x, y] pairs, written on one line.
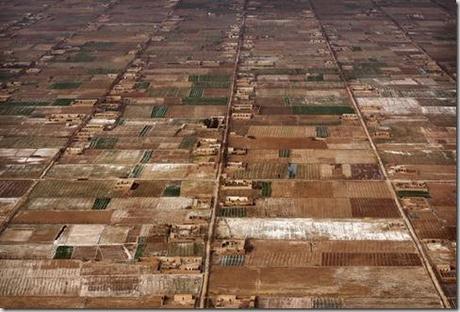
{"points": [[232, 260], [280, 71], [445, 36], [287, 100], [168, 92], [212, 84], [266, 189], [171, 190], [211, 122], [315, 77], [145, 130], [196, 92], [140, 248], [159, 111], [205, 101], [136, 172], [443, 93], [141, 85], [366, 69], [232, 212], [187, 142], [65, 85], [294, 71], [146, 156], [322, 110], [63, 252], [193, 6], [63, 102], [201, 82], [97, 45], [314, 102], [80, 57], [185, 249], [103, 143], [26, 103], [409, 193], [214, 40], [284, 153], [102, 71], [352, 6], [4, 76], [199, 78], [322, 132], [11, 110], [120, 122], [101, 203]]}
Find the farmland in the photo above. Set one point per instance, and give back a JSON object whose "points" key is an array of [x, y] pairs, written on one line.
{"points": [[228, 154]]}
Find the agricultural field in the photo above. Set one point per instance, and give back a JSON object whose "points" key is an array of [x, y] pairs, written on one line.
{"points": [[232, 154]]}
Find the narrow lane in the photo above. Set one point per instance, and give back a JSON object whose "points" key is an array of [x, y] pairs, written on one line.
{"points": [[221, 164]]}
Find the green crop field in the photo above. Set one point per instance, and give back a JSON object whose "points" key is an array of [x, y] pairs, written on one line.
{"points": [[322, 110], [232, 212], [80, 57], [63, 102], [63, 252], [137, 171], [65, 85], [97, 45], [205, 101], [142, 85], [280, 71], [172, 190], [212, 84], [198, 78], [4, 76], [185, 249], [120, 122], [266, 189], [12, 110], [187, 142], [196, 92], [140, 248], [168, 92], [145, 130], [102, 71], [284, 153], [159, 111], [414, 194], [316, 77], [322, 132], [103, 143], [146, 156], [232, 260], [26, 103], [101, 203]]}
